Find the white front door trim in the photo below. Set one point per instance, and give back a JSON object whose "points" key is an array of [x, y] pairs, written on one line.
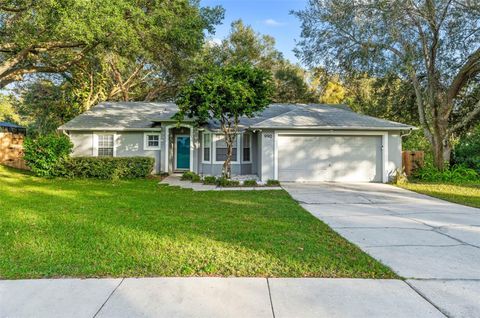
{"points": [[167, 135]]}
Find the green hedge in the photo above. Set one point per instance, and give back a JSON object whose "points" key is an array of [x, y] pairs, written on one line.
{"points": [[45, 155], [108, 167]]}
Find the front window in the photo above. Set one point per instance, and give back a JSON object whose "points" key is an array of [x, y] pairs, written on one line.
{"points": [[246, 148], [221, 149], [105, 145], [152, 141], [206, 147]]}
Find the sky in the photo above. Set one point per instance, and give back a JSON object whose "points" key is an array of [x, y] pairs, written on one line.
{"points": [[270, 17]]}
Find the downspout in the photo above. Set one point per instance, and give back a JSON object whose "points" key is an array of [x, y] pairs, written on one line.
{"points": [[408, 134]]}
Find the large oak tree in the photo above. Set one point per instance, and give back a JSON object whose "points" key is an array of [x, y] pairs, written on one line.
{"points": [[51, 36], [435, 44]]}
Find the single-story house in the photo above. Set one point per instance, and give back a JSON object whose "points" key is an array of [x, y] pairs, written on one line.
{"points": [[286, 142]]}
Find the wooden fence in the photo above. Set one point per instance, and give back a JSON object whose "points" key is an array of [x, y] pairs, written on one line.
{"points": [[412, 160], [11, 150]]}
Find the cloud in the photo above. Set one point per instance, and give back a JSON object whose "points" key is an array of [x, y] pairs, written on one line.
{"points": [[214, 42], [272, 22]]}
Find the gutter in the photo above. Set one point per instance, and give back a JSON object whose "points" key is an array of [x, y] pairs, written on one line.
{"points": [[332, 128], [108, 129]]}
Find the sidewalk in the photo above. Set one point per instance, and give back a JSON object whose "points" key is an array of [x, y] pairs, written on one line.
{"points": [[212, 297]]}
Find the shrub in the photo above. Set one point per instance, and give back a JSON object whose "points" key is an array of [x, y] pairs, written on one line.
{"points": [[45, 155], [273, 183], [212, 180], [455, 174], [224, 182], [400, 177], [467, 152], [108, 167], [250, 183], [196, 178], [190, 176]]}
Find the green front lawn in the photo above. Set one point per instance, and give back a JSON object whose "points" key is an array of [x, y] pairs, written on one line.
{"points": [[466, 194], [93, 228]]}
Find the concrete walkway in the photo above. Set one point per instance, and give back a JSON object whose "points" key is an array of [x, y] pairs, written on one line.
{"points": [[433, 243], [212, 297]]}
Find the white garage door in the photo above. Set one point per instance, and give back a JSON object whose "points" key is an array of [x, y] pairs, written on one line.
{"points": [[330, 158]]}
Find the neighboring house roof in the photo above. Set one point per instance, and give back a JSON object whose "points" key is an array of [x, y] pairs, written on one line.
{"points": [[13, 128], [9, 125], [144, 116]]}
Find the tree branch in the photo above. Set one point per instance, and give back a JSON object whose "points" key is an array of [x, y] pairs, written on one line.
{"points": [[470, 68], [9, 72], [12, 10], [466, 119]]}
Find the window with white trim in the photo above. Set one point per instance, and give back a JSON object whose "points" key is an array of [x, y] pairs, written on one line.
{"points": [[247, 148], [207, 148], [152, 141], [221, 149], [105, 145]]}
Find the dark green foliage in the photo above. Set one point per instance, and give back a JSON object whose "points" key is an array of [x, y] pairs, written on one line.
{"points": [[225, 94], [467, 152], [224, 182], [210, 180], [190, 176], [46, 154], [111, 168], [273, 183], [54, 35], [455, 174], [416, 141], [250, 183], [290, 84]]}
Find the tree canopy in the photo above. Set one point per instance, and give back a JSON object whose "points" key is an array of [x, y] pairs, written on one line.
{"points": [[226, 94], [432, 44], [50, 36]]}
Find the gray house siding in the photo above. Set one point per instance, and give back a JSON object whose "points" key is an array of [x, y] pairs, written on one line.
{"points": [[128, 144], [262, 151], [131, 144], [82, 143], [266, 159], [394, 153]]}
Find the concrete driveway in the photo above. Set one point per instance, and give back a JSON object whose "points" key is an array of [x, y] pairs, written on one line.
{"points": [[433, 243]]}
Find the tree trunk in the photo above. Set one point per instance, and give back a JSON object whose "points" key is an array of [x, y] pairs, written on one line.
{"points": [[440, 137], [230, 137], [227, 165]]}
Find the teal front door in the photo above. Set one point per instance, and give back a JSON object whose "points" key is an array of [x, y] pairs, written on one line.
{"points": [[183, 152]]}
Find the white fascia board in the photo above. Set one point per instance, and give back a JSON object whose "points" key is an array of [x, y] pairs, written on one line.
{"points": [[110, 129], [333, 128]]}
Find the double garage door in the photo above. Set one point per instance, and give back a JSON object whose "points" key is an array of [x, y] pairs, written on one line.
{"points": [[329, 158]]}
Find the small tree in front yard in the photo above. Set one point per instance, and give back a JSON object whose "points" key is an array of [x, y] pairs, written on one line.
{"points": [[226, 94]]}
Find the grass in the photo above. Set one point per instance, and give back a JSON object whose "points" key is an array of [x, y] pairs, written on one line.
{"points": [[93, 228], [466, 194]]}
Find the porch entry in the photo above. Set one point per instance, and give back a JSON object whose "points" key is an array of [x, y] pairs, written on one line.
{"points": [[182, 152]]}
